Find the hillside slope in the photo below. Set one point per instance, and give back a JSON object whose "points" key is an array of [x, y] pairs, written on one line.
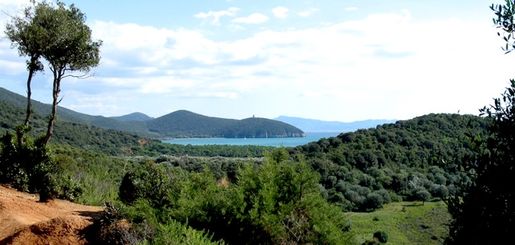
{"points": [[417, 159], [72, 133], [18, 102]]}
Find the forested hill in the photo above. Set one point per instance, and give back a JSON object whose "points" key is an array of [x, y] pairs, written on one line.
{"points": [[66, 115], [76, 134], [413, 160], [176, 124], [188, 124]]}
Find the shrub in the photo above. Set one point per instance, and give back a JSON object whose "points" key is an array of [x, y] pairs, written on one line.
{"points": [[381, 236], [26, 165], [373, 201], [110, 228], [439, 191], [149, 181], [421, 195]]}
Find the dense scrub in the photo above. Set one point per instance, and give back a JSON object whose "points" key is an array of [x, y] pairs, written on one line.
{"points": [[277, 202], [417, 159]]}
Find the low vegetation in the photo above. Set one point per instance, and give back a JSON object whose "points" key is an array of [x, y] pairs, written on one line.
{"points": [[403, 223]]}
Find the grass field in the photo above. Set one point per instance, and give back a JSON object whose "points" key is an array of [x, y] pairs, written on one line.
{"points": [[404, 222]]}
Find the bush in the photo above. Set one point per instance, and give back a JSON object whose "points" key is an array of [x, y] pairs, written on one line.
{"points": [[26, 165], [381, 236], [373, 201], [421, 195], [149, 181], [278, 202], [110, 228], [439, 191]]}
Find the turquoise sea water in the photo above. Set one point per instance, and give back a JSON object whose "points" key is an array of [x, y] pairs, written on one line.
{"points": [[277, 142]]}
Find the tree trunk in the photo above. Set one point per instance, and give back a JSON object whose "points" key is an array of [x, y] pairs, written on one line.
{"points": [[29, 93], [55, 95]]}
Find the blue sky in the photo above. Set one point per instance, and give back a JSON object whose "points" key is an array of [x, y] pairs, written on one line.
{"points": [[329, 60]]}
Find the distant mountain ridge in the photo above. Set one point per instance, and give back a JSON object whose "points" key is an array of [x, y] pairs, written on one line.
{"points": [[184, 123], [313, 125], [133, 117], [176, 124]]}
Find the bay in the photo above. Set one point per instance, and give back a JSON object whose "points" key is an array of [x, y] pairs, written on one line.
{"points": [[276, 142]]}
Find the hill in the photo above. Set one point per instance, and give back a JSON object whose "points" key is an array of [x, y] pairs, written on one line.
{"points": [[312, 125], [188, 124], [66, 115], [176, 124], [417, 159], [80, 135], [134, 117]]}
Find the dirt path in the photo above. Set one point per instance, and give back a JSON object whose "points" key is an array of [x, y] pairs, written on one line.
{"points": [[24, 220]]}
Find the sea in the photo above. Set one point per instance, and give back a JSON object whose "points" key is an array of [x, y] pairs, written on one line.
{"points": [[276, 142]]}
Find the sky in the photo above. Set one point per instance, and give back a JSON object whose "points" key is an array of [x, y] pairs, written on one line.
{"points": [[339, 60]]}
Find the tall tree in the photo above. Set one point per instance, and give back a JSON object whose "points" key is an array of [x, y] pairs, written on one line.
{"points": [[485, 212], [71, 50], [29, 39]]}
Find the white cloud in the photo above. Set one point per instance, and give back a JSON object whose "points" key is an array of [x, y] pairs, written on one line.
{"points": [[215, 16], [307, 12], [255, 18], [388, 65], [280, 12]]}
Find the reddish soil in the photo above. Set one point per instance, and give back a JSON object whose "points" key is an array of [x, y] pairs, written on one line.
{"points": [[24, 220]]}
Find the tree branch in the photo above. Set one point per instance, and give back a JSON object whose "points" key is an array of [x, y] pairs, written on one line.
{"points": [[81, 76]]}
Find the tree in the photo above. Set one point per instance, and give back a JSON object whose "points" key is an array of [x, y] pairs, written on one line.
{"points": [[485, 212], [70, 50], [504, 21], [29, 39]]}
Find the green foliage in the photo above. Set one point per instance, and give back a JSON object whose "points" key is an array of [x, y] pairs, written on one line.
{"points": [[485, 212], [283, 199], [110, 228], [504, 20], [58, 34], [148, 181], [278, 201], [26, 165], [28, 39], [415, 159], [156, 148], [99, 175], [381, 236]]}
